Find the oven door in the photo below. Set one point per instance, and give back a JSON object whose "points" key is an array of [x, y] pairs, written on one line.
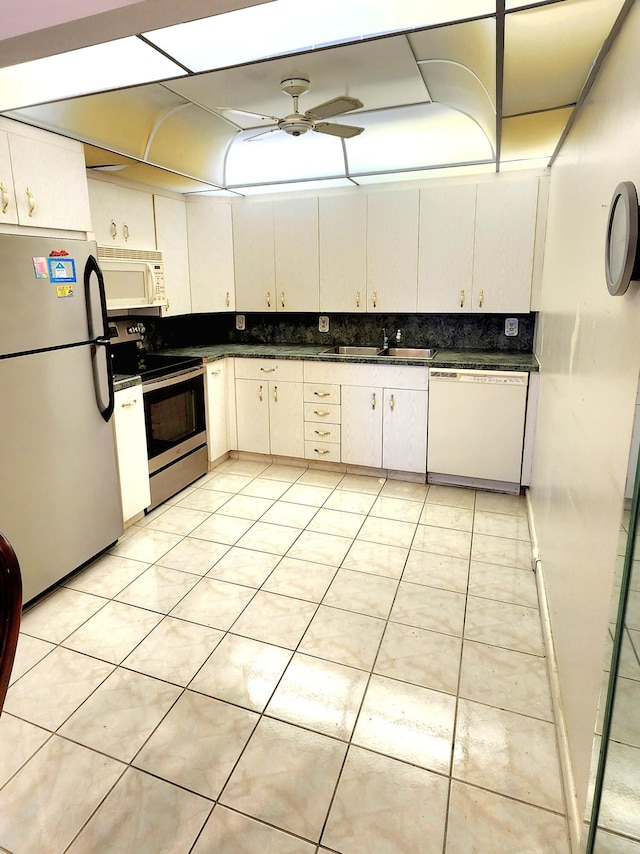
{"points": [[174, 417]]}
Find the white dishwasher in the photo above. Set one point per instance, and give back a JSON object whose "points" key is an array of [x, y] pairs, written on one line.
{"points": [[476, 424]]}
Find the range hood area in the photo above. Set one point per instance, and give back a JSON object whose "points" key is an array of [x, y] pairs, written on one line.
{"points": [[446, 88]]}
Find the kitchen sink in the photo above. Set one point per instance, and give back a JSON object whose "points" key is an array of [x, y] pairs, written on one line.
{"points": [[354, 351], [411, 352]]}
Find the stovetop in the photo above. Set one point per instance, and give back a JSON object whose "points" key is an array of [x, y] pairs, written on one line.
{"points": [[150, 365]]}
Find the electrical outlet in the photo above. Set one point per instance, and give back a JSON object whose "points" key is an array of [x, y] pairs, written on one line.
{"points": [[511, 326], [240, 322], [323, 323]]}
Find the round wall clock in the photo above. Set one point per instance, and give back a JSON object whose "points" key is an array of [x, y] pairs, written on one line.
{"points": [[621, 250]]}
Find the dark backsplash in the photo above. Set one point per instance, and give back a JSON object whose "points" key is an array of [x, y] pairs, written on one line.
{"points": [[456, 331]]}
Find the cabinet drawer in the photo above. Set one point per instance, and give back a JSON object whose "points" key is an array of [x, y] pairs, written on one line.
{"points": [[321, 393], [327, 412], [315, 432], [289, 370], [322, 451]]}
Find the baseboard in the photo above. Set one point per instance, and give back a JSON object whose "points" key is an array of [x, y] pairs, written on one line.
{"points": [[574, 819]]}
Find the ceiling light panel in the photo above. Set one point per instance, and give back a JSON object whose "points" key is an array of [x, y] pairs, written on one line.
{"points": [[239, 37], [426, 174], [298, 186], [549, 52], [124, 62], [534, 135]]}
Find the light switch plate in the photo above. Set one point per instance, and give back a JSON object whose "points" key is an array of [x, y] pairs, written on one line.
{"points": [[323, 323], [511, 326], [240, 322]]}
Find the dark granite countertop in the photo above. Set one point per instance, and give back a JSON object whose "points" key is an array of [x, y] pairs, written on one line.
{"points": [[444, 358], [122, 381]]}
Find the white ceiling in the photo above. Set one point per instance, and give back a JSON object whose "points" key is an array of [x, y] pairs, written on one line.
{"points": [[447, 84]]}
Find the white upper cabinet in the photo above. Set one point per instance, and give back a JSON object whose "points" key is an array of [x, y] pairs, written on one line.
{"points": [[296, 254], [253, 253], [171, 238], [122, 217], [392, 250], [43, 178], [504, 245], [445, 258], [210, 235], [343, 253]]}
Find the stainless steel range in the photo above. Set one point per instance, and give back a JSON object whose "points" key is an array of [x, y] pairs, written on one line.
{"points": [[174, 407]]}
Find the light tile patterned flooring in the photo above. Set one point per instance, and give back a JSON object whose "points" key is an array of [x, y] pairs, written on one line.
{"points": [[290, 660]]}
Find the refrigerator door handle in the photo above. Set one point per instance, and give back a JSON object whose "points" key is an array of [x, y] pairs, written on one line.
{"points": [[101, 339]]}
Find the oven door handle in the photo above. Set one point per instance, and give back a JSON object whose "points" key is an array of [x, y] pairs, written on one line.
{"points": [[100, 340], [173, 379]]}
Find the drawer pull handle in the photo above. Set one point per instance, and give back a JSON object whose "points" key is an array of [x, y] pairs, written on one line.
{"points": [[375, 299], [321, 412], [481, 300], [268, 299], [321, 451], [32, 201], [373, 401], [114, 230], [129, 403], [357, 299], [275, 393], [268, 370], [125, 231], [392, 403], [5, 197], [282, 298], [322, 393], [260, 393], [322, 432], [211, 373], [461, 299], [228, 299]]}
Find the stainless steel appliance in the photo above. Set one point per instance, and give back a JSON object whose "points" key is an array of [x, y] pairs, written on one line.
{"points": [[174, 407], [59, 487]]}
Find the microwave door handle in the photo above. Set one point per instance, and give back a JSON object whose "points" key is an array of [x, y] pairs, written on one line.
{"points": [[150, 283], [100, 340]]}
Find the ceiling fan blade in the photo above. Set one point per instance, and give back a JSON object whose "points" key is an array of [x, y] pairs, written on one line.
{"points": [[258, 135], [248, 113], [344, 131], [334, 107]]}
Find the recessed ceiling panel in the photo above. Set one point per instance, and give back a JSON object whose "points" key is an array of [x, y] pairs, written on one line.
{"points": [[549, 52], [534, 135], [142, 173], [289, 26], [425, 174], [414, 138], [124, 62], [279, 157], [380, 73], [120, 120], [472, 44]]}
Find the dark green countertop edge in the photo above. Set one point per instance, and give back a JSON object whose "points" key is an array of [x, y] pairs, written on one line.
{"points": [[122, 381], [463, 359]]}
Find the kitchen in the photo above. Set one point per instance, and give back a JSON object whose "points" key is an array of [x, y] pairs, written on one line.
{"points": [[589, 368]]}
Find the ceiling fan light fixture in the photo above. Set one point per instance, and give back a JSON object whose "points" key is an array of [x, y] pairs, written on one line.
{"points": [[296, 125]]}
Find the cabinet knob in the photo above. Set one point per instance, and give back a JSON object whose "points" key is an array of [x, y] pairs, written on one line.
{"points": [[461, 299], [31, 201], [114, 230], [4, 196], [373, 401], [125, 231]]}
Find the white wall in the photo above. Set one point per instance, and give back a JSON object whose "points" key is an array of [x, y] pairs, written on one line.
{"points": [[589, 348]]}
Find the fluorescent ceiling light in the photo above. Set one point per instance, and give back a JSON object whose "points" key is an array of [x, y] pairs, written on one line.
{"points": [[289, 26], [125, 62], [426, 174]]}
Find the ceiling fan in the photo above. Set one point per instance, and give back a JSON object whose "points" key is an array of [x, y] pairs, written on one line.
{"points": [[297, 123]]}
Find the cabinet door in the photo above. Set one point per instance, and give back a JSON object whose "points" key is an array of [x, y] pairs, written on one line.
{"points": [[295, 224], [361, 432], [50, 183], [131, 444], [286, 419], [253, 256], [217, 430], [404, 430], [210, 239], [121, 216], [171, 238], [445, 251], [252, 411], [343, 253], [504, 243], [392, 251], [8, 209]]}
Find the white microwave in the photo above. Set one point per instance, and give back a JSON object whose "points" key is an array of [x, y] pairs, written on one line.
{"points": [[133, 278]]}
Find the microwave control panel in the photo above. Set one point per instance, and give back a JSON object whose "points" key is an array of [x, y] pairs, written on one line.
{"points": [[159, 292]]}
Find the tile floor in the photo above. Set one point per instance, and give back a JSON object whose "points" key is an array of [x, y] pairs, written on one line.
{"points": [[290, 660]]}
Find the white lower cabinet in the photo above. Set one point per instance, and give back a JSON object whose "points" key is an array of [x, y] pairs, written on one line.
{"points": [[269, 407], [131, 445], [217, 409], [362, 426], [404, 430]]}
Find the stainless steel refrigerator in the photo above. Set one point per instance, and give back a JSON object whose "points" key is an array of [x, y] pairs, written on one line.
{"points": [[59, 487]]}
